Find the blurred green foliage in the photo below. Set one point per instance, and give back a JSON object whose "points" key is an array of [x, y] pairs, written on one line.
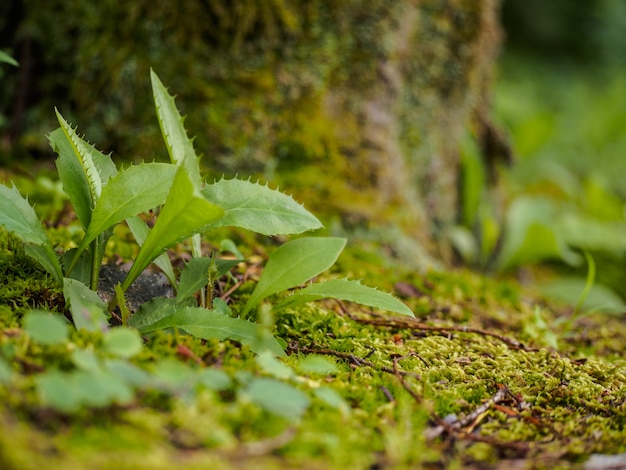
{"points": [[568, 130], [560, 92], [566, 193]]}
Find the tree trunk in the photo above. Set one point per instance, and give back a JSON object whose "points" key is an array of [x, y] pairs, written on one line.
{"points": [[358, 107]]}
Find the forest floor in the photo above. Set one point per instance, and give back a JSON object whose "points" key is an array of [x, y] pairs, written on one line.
{"points": [[486, 376]]}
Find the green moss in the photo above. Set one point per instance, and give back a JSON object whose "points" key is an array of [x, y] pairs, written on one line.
{"points": [[398, 379]]}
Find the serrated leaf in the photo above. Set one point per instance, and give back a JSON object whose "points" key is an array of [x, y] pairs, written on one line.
{"points": [[45, 327], [208, 324], [179, 145], [17, 216], [151, 312], [130, 192], [87, 309], [258, 208], [47, 258], [73, 175], [278, 398], [184, 214], [351, 291], [84, 153], [294, 263], [194, 275]]}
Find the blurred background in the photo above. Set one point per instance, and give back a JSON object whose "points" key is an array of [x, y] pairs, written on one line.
{"points": [[556, 218], [561, 94]]}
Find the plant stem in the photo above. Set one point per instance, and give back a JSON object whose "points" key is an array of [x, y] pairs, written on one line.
{"points": [[95, 268]]}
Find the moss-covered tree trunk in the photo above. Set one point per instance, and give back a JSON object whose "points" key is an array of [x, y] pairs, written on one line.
{"points": [[353, 104]]}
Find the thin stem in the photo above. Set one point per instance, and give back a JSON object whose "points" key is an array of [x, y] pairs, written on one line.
{"points": [[95, 268]]}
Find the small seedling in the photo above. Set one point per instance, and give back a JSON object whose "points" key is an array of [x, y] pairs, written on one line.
{"points": [[104, 196]]}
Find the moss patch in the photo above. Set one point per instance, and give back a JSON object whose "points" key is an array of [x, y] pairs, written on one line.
{"points": [[472, 382]]}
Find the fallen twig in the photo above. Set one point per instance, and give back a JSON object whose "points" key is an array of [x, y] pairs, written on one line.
{"points": [[351, 358], [413, 324]]}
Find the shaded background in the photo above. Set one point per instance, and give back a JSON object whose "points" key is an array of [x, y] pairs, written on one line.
{"points": [[559, 96]]}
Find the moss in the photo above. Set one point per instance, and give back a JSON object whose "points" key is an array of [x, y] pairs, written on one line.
{"points": [[399, 378]]}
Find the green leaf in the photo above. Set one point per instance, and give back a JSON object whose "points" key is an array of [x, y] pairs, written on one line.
{"points": [[121, 304], [173, 376], [278, 398], [46, 328], [101, 388], [82, 266], [268, 362], [122, 342], [532, 234], [185, 213], [258, 208], [179, 146], [6, 372], [18, 217], [599, 298], [86, 360], [214, 379], [294, 263], [316, 364], [208, 324], [132, 191], [332, 399], [7, 59], [140, 231], [194, 275], [47, 258], [87, 309], [84, 153], [351, 291], [127, 372], [73, 175], [151, 312], [56, 391]]}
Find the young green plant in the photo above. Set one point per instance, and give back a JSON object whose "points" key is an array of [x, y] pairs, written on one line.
{"points": [[103, 197]]}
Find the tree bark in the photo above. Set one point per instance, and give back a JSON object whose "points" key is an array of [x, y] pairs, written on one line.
{"points": [[358, 107]]}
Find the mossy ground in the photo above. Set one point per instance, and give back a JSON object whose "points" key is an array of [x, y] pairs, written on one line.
{"points": [[487, 374], [420, 393]]}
